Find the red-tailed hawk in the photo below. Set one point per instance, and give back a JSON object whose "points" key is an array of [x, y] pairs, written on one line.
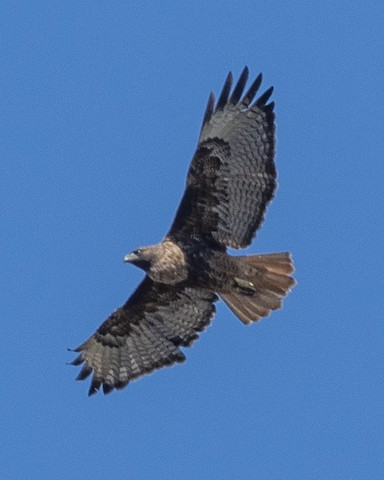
{"points": [[230, 182]]}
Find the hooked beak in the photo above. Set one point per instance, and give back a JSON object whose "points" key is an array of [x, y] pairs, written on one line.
{"points": [[131, 258]]}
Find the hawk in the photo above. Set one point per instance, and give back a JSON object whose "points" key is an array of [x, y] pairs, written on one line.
{"points": [[231, 180]]}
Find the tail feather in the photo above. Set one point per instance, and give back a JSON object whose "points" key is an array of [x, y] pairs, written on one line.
{"points": [[243, 308], [279, 263], [264, 282]]}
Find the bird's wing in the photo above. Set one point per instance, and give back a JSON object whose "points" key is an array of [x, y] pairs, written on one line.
{"points": [[232, 176], [144, 334]]}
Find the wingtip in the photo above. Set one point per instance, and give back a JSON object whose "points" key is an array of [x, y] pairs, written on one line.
{"points": [[93, 389], [107, 388], [209, 109], [261, 101], [77, 361], [249, 96], [269, 107], [223, 99], [239, 88], [84, 373]]}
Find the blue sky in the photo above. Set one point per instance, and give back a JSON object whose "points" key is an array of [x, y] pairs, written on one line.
{"points": [[101, 105]]}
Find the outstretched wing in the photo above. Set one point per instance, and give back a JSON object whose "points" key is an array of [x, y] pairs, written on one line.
{"points": [[232, 176], [144, 334]]}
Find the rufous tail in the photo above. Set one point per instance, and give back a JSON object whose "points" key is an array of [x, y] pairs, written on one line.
{"points": [[262, 283]]}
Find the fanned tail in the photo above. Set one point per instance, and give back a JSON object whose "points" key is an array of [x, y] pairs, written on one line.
{"points": [[263, 282]]}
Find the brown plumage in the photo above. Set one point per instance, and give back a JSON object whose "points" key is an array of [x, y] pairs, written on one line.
{"points": [[230, 182]]}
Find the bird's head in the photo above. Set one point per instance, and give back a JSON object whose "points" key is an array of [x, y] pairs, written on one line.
{"points": [[164, 263], [141, 258]]}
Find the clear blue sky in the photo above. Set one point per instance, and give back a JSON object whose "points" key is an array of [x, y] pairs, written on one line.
{"points": [[101, 104]]}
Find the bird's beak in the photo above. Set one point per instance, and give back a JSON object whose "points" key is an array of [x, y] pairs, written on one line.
{"points": [[131, 258]]}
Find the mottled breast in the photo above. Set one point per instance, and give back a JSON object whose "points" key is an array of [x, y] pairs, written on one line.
{"points": [[169, 264]]}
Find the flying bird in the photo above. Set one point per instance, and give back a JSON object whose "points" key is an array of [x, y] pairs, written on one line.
{"points": [[231, 180]]}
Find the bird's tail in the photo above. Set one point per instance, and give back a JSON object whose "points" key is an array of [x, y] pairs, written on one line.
{"points": [[262, 283]]}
